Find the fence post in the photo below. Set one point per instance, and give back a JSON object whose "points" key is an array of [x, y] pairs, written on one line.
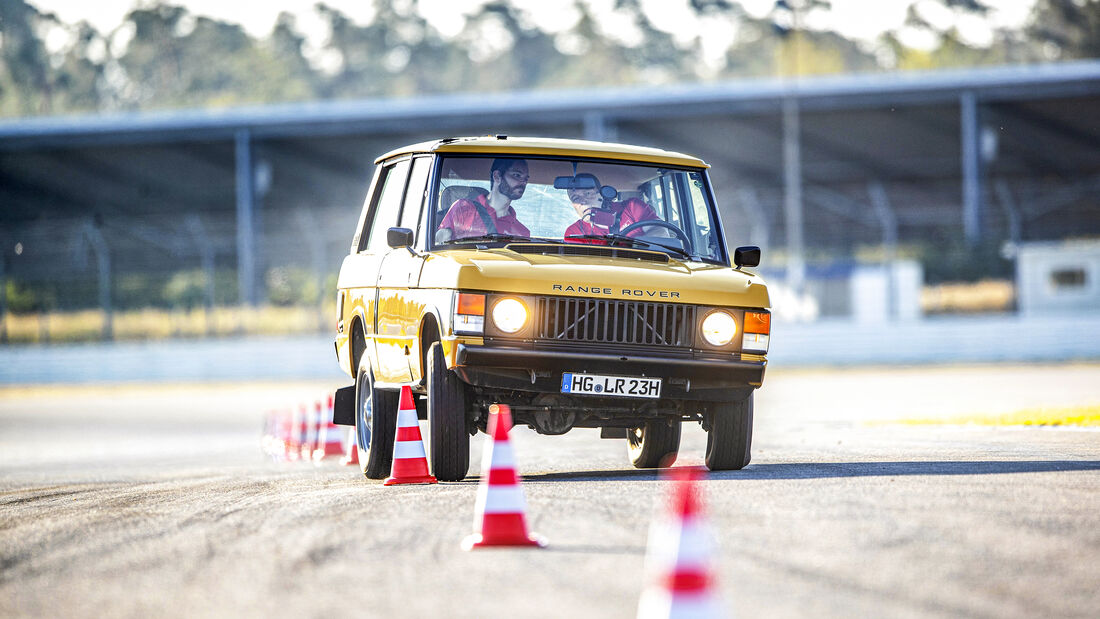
{"points": [[206, 255], [103, 263], [3, 298], [889, 220]]}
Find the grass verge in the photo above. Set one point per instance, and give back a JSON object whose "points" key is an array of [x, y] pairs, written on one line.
{"points": [[1085, 416]]}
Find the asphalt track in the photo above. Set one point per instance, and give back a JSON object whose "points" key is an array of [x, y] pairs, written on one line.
{"points": [[156, 501]]}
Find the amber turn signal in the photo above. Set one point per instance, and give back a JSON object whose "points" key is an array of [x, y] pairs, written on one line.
{"points": [[471, 304], [758, 322]]}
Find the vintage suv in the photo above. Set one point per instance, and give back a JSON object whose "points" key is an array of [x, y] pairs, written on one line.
{"points": [[632, 320]]}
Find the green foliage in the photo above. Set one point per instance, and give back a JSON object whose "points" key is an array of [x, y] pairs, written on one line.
{"points": [[22, 299], [293, 286], [176, 59], [954, 261]]}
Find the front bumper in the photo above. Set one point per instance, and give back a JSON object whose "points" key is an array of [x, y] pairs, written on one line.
{"points": [[541, 370]]}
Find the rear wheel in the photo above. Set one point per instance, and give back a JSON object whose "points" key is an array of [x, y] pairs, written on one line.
{"points": [[654, 445], [375, 423], [729, 440], [448, 439]]}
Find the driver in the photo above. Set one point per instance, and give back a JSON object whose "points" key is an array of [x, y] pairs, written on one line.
{"points": [[599, 216], [491, 214]]}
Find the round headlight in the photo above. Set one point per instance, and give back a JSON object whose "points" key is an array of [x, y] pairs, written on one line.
{"points": [[719, 328], [509, 315]]}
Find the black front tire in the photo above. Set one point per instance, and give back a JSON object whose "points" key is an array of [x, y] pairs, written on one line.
{"points": [[654, 445], [448, 437], [729, 440], [375, 423]]}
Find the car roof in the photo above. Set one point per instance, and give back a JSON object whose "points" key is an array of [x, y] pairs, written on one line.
{"points": [[506, 145]]}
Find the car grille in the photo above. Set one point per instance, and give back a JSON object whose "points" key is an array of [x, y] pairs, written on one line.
{"points": [[615, 322]]}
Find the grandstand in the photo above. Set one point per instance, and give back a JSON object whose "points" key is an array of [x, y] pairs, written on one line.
{"points": [[816, 170]]}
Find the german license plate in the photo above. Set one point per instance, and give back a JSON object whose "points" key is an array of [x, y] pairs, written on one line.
{"points": [[618, 386]]}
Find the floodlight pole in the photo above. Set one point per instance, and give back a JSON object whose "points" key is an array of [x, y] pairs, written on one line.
{"points": [[246, 235], [971, 168], [792, 166]]}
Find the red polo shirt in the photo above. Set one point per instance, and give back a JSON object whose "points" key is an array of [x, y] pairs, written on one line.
{"points": [[463, 220], [633, 211]]}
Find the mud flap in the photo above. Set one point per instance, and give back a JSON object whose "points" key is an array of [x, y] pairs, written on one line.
{"points": [[612, 432], [343, 406]]}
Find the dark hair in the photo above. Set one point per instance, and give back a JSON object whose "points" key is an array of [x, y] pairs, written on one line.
{"points": [[503, 165]]}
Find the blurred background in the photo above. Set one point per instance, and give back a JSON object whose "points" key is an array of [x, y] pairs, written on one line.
{"points": [[179, 181]]}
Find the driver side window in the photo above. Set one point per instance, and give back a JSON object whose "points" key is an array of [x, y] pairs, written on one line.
{"points": [[388, 204]]}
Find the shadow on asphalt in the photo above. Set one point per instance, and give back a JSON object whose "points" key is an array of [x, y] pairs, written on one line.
{"points": [[822, 470], [892, 469]]}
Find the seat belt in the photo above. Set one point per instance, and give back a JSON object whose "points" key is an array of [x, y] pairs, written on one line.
{"points": [[490, 226]]}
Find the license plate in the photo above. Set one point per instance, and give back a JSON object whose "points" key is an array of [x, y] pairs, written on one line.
{"points": [[618, 386]]}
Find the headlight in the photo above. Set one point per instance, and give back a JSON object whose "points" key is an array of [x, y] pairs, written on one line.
{"points": [[509, 315], [719, 328]]}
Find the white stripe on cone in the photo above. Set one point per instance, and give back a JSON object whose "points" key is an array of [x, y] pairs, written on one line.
{"points": [[686, 544], [403, 450], [499, 456], [501, 500], [406, 418]]}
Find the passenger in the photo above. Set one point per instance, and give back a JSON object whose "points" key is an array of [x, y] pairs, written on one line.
{"points": [[599, 217], [492, 213]]}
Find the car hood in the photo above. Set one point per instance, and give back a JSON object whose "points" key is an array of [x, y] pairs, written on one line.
{"points": [[505, 270]]}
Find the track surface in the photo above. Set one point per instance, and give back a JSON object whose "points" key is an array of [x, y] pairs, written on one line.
{"points": [[142, 501]]}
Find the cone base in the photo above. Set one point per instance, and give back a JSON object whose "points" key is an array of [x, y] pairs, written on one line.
{"points": [[477, 540], [419, 479]]}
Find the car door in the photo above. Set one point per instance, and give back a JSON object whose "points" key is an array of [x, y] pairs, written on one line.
{"points": [[399, 309], [359, 274]]}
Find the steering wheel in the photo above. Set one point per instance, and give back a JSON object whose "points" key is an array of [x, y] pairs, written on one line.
{"points": [[661, 224]]}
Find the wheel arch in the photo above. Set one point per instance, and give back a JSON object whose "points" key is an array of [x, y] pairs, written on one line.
{"points": [[429, 334]]}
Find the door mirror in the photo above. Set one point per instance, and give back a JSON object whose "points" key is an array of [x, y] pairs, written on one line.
{"points": [[747, 256], [399, 237]]}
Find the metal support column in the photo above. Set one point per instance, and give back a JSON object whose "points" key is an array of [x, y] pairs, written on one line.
{"points": [[792, 198], [888, 219], [597, 128], [971, 168], [246, 236]]}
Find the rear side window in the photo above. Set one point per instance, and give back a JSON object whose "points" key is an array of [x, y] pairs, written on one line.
{"points": [[388, 204]]}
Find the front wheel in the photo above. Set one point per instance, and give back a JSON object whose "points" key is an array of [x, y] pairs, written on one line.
{"points": [[729, 440], [375, 423], [448, 438], [654, 445]]}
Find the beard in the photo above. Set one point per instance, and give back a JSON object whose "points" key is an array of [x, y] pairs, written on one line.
{"points": [[512, 192]]}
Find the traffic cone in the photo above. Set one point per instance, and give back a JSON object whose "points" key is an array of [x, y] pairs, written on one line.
{"points": [[309, 438], [351, 454], [498, 514], [328, 436], [678, 571], [410, 463], [295, 435]]}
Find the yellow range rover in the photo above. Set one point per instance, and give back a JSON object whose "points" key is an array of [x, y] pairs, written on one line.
{"points": [[585, 284]]}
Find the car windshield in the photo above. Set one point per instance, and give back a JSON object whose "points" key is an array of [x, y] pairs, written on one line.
{"points": [[575, 201]]}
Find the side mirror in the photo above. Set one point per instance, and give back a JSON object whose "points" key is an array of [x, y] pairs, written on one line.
{"points": [[399, 237], [747, 256]]}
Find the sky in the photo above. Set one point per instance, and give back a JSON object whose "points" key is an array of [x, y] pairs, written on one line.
{"points": [[857, 19]]}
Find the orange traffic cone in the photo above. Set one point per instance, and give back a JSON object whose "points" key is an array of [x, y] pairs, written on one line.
{"points": [[498, 517], [328, 436], [410, 463], [680, 582], [351, 455], [309, 439], [297, 433]]}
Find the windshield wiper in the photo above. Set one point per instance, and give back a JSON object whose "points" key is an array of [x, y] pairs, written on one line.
{"points": [[633, 241], [495, 236]]}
